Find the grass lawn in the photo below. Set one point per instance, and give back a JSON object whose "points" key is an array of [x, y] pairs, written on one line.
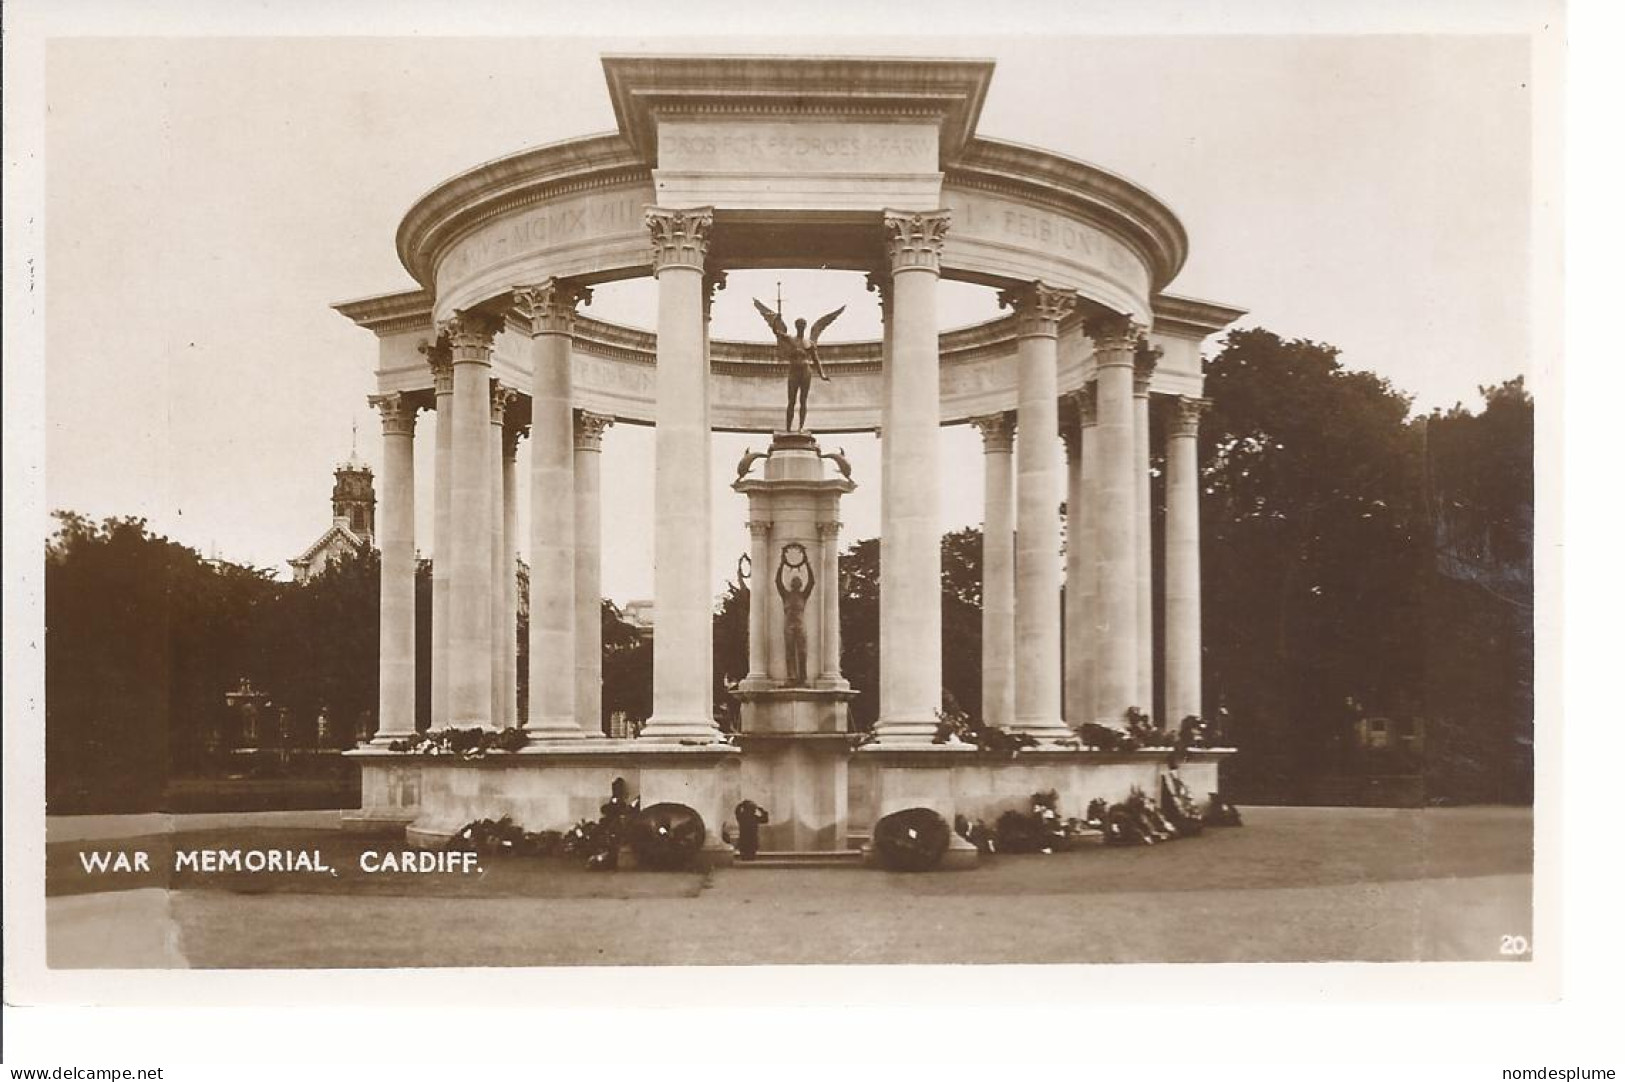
{"points": [[1294, 884]]}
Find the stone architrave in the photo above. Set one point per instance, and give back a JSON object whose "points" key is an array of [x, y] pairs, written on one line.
{"points": [[1182, 595], [998, 571], [682, 677], [439, 358], [589, 442], [471, 336], [1145, 365], [397, 570], [911, 567], [1039, 310], [1117, 648], [547, 311]]}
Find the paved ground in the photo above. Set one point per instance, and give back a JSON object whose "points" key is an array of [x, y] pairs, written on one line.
{"points": [[1294, 884]]}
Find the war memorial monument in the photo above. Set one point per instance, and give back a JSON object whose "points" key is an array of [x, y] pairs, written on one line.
{"points": [[734, 163]]}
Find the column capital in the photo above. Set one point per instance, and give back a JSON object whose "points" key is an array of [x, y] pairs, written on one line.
{"points": [[589, 430], [680, 237], [1186, 415], [828, 529], [1115, 336], [511, 435], [759, 527], [1039, 308], [438, 354], [1146, 357], [914, 238], [878, 282], [714, 282], [998, 432], [471, 335], [502, 397], [398, 413], [549, 307]]}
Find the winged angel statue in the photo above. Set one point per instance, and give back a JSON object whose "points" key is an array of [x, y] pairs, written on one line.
{"points": [[801, 353]]}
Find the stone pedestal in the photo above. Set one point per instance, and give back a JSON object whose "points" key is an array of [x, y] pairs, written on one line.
{"points": [[793, 703]]}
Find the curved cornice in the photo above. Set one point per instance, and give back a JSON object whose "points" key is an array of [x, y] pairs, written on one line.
{"points": [[1131, 212], [455, 206]]}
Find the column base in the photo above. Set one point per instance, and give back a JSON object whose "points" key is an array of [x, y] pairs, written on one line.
{"points": [[674, 730], [384, 740], [910, 731], [548, 730], [1044, 730]]}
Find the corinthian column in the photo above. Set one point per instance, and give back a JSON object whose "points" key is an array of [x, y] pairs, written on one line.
{"points": [[589, 432], [1145, 363], [508, 574], [471, 602], [1081, 574], [682, 677], [1116, 615], [1039, 311], [1182, 593], [439, 357], [548, 313], [879, 283], [911, 565], [998, 571], [397, 594], [502, 632]]}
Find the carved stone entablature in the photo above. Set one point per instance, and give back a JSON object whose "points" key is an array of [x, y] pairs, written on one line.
{"points": [[502, 397], [1186, 415], [1039, 308], [998, 432], [471, 335], [1116, 338], [680, 237], [914, 240], [398, 412], [549, 307], [589, 430], [1146, 357], [438, 354]]}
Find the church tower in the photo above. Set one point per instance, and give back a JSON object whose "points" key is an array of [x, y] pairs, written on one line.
{"points": [[354, 502]]}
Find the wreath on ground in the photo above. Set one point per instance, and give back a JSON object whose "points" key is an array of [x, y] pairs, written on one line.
{"points": [[473, 743], [911, 840]]}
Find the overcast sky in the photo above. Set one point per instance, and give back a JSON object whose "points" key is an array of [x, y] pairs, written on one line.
{"points": [[208, 199]]}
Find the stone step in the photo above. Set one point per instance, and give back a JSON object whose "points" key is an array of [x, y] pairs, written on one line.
{"points": [[788, 858]]}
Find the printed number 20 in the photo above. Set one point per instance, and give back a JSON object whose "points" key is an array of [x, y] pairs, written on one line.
{"points": [[1514, 944]]}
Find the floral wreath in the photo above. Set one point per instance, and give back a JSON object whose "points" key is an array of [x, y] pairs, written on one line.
{"points": [[784, 555]]}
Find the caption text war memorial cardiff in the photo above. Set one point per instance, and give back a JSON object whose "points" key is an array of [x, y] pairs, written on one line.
{"points": [[725, 163]]}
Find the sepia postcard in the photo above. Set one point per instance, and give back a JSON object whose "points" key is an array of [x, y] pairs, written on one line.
{"points": [[493, 502]]}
